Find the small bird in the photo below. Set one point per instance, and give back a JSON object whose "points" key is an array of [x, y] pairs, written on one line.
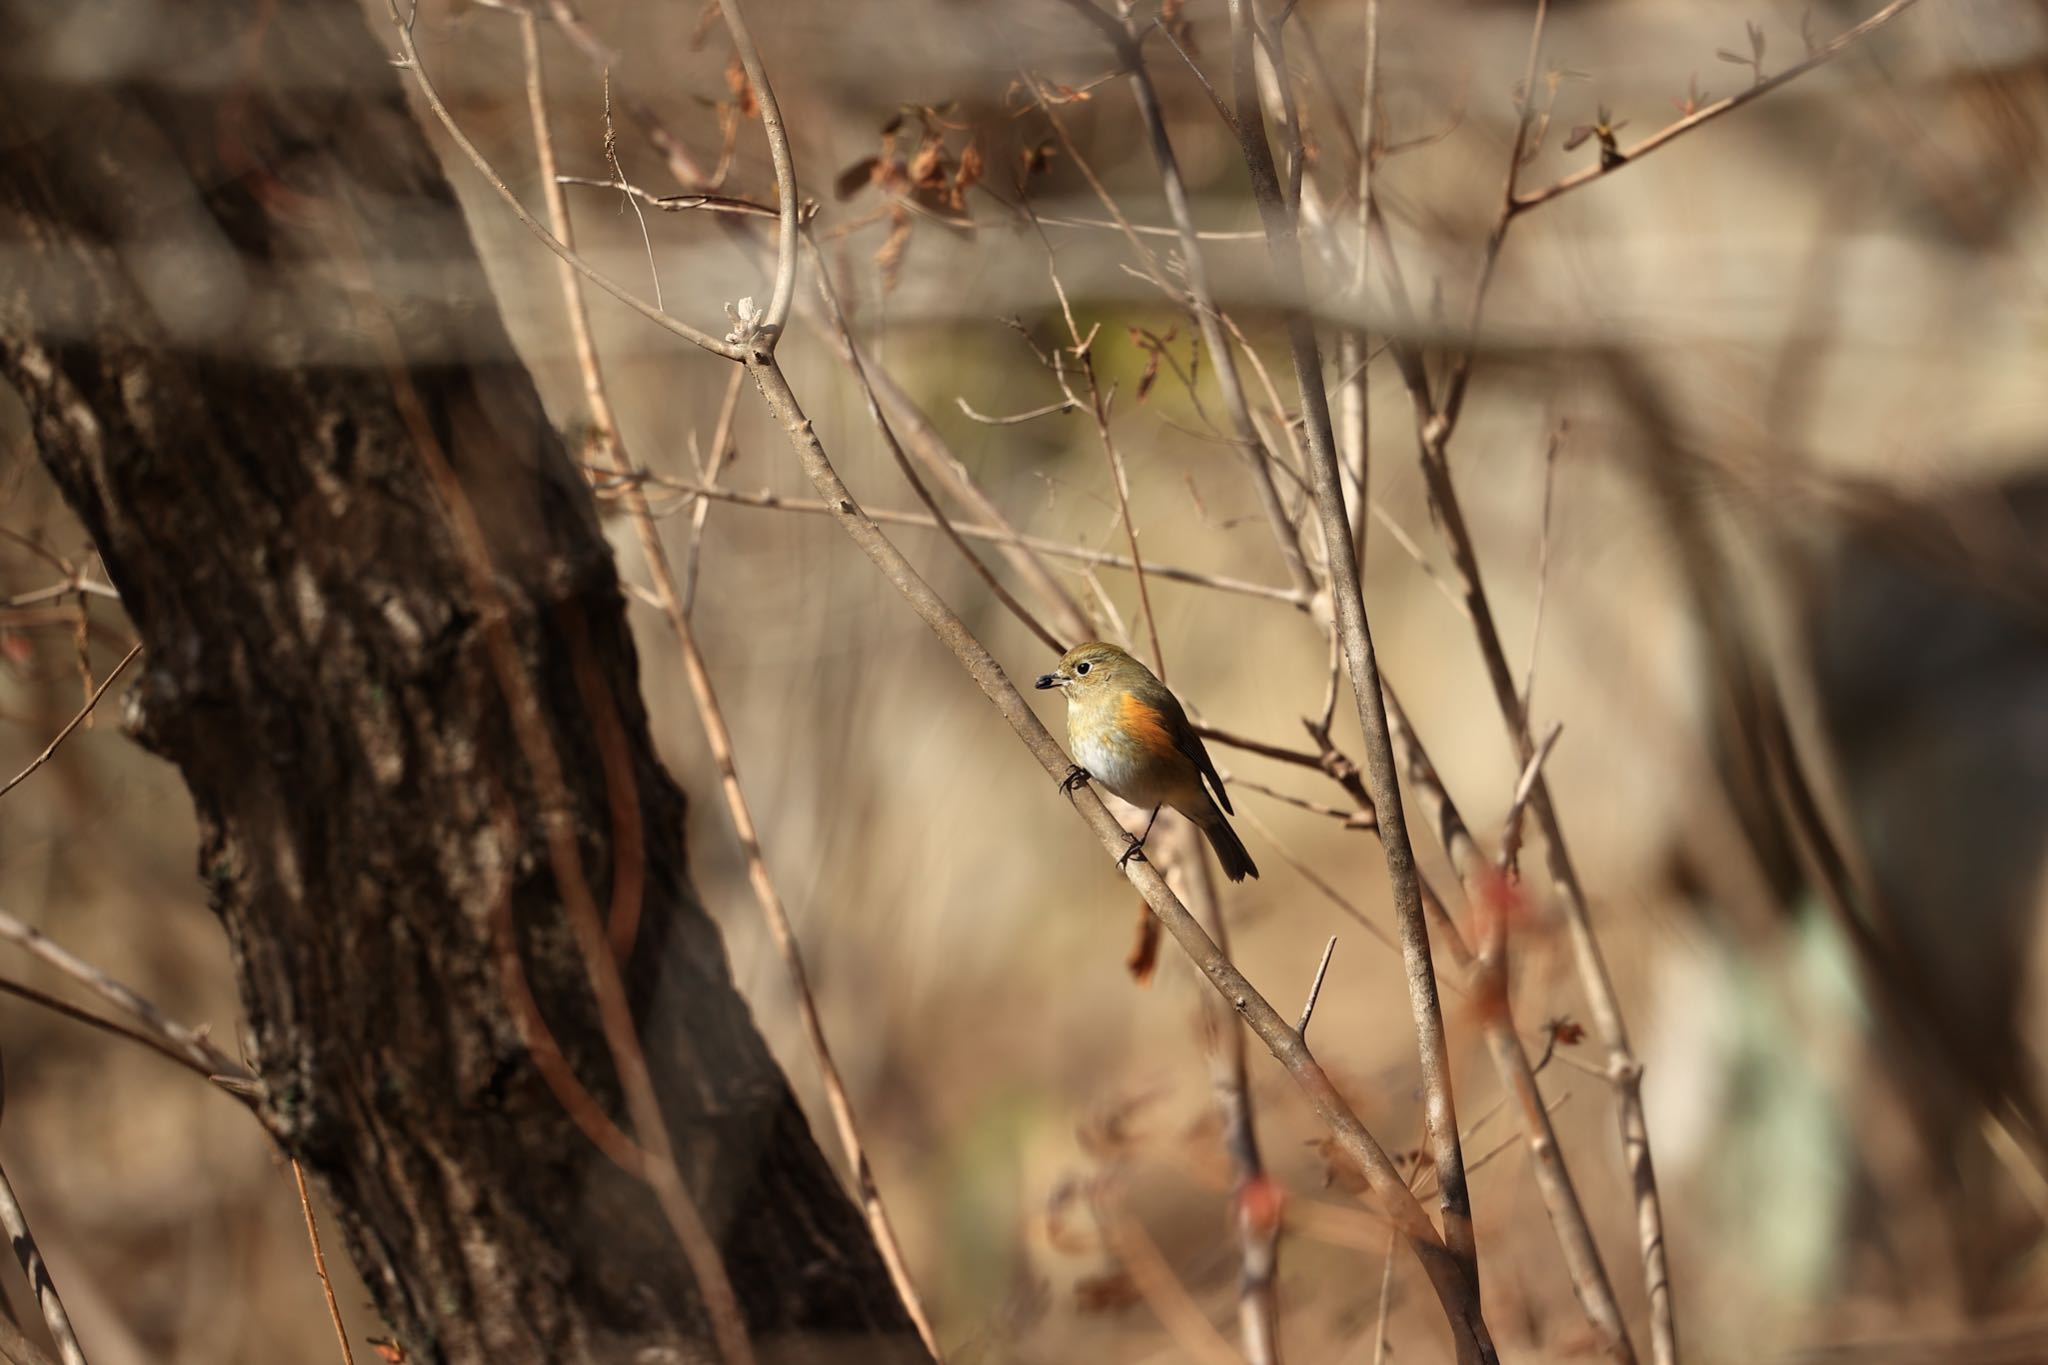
{"points": [[1129, 733]]}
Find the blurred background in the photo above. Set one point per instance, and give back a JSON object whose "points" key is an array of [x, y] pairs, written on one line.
{"points": [[1778, 388]]}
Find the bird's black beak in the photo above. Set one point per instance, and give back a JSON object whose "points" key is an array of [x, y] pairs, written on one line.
{"points": [[1046, 680]]}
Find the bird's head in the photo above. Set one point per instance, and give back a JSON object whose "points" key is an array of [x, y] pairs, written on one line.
{"points": [[1090, 667]]}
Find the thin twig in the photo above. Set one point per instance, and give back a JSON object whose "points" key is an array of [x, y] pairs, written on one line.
{"points": [[1038, 544], [1142, 229], [917, 484], [1065, 405], [1351, 819], [320, 1262], [673, 203], [1201, 78], [241, 1084], [1457, 381], [1507, 860], [714, 457], [1098, 407], [1125, 38], [1319, 882], [1491, 1153], [409, 60], [190, 1044], [1297, 757], [1315, 988], [72, 724], [1379, 1331], [611, 154], [40, 551], [919, 436], [785, 173], [1542, 564], [82, 586], [1146, 258], [1629, 155]]}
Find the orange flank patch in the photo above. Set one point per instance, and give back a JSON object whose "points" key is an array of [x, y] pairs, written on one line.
{"points": [[1143, 727]]}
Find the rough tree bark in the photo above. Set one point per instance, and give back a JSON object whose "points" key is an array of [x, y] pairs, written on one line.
{"points": [[234, 274]]}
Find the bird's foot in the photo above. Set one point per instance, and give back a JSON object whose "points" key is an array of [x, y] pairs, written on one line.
{"points": [[1136, 850], [1076, 776]]}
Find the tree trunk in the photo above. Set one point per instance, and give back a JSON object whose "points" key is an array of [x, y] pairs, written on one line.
{"points": [[245, 315]]}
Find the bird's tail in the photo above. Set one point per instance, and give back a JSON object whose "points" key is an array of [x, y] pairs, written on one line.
{"points": [[1230, 850]]}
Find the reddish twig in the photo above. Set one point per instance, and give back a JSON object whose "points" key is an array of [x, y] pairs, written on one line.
{"points": [[320, 1263]]}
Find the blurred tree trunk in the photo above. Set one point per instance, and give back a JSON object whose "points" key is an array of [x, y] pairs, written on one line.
{"points": [[238, 295]]}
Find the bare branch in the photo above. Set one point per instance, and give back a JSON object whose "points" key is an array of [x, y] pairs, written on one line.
{"points": [[1315, 988], [190, 1044], [1349, 604], [348, 1356], [1260, 457], [1826, 52], [1511, 828], [1098, 405], [785, 173], [83, 712], [410, 61], [675, 203], [1065, 405], [714, 457], [14, 1223], [242, 1084], [1038, 544]]}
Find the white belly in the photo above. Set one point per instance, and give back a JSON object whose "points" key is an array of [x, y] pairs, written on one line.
{"points": [[1114, 765]]}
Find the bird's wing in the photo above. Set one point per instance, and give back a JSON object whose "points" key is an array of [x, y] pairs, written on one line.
{"points": [[1189, 743]]}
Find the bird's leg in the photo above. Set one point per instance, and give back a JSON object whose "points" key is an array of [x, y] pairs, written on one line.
{"points": [[1076, 776], [1137, 848]]}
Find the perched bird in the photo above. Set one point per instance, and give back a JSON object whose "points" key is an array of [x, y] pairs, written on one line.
{"points": [[1126, 731]]}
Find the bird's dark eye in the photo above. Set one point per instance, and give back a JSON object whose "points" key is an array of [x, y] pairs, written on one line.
{"points": [[1081, 668]]}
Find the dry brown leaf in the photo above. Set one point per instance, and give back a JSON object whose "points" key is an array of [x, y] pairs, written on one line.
{"points": [[928, 169], [1105, 1293], [742, 89], [967, 175]]}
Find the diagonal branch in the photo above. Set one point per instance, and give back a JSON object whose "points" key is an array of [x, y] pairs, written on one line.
{"points": [[14, 1223], [1821, 55], [84, 712]]}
